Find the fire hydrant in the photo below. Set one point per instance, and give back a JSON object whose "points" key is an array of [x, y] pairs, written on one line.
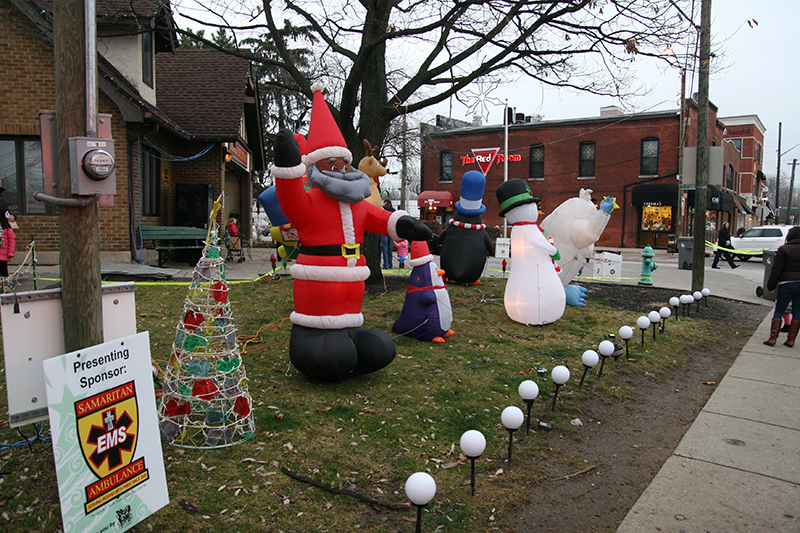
{"points": [[648, 265]]}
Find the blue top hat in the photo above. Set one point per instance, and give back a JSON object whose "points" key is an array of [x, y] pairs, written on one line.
{"points": [[472, 185]]}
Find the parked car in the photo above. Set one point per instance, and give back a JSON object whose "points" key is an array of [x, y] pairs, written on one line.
{"points": [[759, 239]]}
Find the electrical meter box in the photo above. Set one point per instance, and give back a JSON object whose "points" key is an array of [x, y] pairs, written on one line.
{"points": [[91, 166]]}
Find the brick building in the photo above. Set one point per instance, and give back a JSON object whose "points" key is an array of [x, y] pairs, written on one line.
{"points": [[634, 157], [185, 124], [745, 134]]}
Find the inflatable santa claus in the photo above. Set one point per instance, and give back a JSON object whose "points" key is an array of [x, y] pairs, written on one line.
{"points": [[327, 342]]}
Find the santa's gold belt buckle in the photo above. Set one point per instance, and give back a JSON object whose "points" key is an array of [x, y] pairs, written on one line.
{"points": [[351, 250]]}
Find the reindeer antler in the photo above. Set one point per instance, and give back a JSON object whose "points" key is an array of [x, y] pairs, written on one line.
{"points": [[370, 149]]}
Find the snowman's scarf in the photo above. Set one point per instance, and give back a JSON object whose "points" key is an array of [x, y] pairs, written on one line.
{"points": [[549, 239]]}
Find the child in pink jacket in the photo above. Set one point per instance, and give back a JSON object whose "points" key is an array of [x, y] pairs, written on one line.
{"points": [[402, 252], [7, 244]]}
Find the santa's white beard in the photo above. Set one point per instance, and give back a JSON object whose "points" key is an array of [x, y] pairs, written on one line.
{"points": [[350, 187]]}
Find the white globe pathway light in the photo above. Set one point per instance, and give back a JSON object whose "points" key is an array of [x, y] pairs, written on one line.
{"points": [[528, 390], [512, 418], [664, 313], [590, 360], [654, 318], [420, 489], [560, 375], [625, 333], [473, 443]]}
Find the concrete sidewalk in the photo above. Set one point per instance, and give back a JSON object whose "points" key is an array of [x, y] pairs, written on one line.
{"points": [[738, 466]]}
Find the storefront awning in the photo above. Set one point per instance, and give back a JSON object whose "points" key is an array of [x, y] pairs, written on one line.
{"points": [[655, 194], [741, 205], [715, 200], [436, 199]]}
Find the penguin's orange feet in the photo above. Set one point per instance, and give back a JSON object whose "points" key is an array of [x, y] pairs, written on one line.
{"points": [[478, 282], [449, 333], [438, 340]]}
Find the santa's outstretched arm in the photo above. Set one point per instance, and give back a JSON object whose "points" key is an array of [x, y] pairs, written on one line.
{"points": [[288, 171]]}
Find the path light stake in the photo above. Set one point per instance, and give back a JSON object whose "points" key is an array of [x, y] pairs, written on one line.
{"points": [[654, 318], [512, 419], [697, 295], [625, 333], [590, 359], [686, 300], [706, 293], [528, 390], [643, 322], [473, 443], [664, 313], [675, 302], [420, 489], [606, 348], [560, 375]]}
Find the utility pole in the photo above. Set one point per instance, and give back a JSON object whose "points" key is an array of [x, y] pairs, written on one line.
{"points": [[778, 180], [699, 241], [404, 166], [681, 144], [81, 292], [791, 190]]}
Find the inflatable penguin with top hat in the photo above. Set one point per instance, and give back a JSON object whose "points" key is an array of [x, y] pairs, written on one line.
{"points": [[464, 244], [327, 342], [426, 314], [534, 294]]}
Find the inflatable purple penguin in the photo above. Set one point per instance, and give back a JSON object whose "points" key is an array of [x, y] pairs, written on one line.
{"points": [[426, 313]]}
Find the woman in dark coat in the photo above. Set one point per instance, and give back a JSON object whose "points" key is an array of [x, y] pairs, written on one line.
{"points": [[785, 277]]}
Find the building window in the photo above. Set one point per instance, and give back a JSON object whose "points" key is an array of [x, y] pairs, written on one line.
{"points": [[21, 174], [737, 143], [587, 154], [758, 154], [730, 174], [649, 157], [446, 166], [536, 170], [147, 58], [150, 181]]}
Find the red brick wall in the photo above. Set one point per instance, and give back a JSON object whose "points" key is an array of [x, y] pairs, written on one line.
{"points": [[617, 164], [27, 86], [617, 161]]}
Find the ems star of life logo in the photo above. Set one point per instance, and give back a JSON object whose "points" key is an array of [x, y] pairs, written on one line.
{"points": [[108, 431]]}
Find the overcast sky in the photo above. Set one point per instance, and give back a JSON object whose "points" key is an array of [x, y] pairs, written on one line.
{"points": [[760, 76], [756, 72]]}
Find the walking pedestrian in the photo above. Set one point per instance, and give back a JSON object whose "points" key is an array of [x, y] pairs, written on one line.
{"points": [[8, 241], [386, 242], [785, 277], [724, 241]]}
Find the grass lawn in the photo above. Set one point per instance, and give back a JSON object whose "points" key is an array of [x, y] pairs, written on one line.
{"points": [[368, 434]]}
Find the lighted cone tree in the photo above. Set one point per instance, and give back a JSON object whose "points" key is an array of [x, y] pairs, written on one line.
{"points": [[205, 403]]}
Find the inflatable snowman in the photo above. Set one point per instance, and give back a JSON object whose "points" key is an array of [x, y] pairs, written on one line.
{"points": [[464, 243], [426, 314], [534, 294]]}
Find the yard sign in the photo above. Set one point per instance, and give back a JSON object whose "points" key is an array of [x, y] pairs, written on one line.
{"points": [[106, 442]]}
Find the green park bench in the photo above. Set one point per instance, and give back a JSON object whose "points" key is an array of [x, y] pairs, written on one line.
{"points": [[167, 239]]}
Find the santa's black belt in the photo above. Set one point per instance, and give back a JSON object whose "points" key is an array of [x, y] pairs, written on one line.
{"points": [[344, 250]]}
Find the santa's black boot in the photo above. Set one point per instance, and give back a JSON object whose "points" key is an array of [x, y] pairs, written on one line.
{"points": [[375, 350], [323, 354]]}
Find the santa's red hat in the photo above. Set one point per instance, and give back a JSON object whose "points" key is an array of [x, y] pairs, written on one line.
{"points": [[420, 253], [324, 139]]}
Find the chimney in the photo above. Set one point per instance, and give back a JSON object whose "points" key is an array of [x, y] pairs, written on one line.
{"points": [[610, 111], [477, 121]]}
